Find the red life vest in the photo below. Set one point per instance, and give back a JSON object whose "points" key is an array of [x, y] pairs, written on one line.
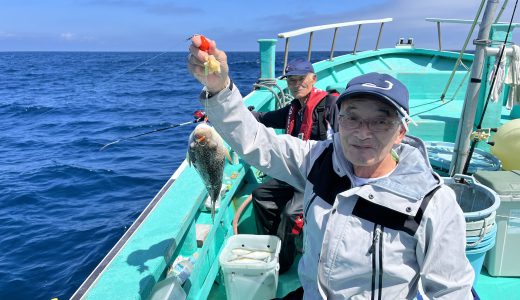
{"points": [[315, 97]]}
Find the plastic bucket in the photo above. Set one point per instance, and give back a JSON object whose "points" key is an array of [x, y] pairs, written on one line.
{"points": [[246, 278], [476, 254], [476, 200], [479, 204]]}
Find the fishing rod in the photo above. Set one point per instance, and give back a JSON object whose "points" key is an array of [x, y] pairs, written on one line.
{"points": [[475, 140], [197, 115]]}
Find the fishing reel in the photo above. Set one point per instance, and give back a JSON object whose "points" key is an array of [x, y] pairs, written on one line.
{"points": [[200, 116], [483, 134]]}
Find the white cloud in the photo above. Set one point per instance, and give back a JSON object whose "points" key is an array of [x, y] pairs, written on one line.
{"points": [[6, 34], [73, 37], [68, 36], [408, 21]]}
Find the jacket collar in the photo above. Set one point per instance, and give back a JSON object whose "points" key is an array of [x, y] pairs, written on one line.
{"points": [[413, 177]]}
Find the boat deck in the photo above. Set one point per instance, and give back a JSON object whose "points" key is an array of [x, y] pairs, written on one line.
{"points": [[497, 288]]}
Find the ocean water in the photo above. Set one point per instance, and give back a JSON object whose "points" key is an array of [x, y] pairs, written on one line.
{"points": [[63, 202]]}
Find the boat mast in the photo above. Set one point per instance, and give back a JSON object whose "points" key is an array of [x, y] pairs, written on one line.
{"points": [[467, 120]]}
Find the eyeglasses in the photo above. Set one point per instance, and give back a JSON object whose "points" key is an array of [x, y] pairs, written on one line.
{"points": [[295, 79], [377, 125]]}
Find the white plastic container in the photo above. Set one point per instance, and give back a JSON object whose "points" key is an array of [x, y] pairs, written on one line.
{"points": [[247, 279]]}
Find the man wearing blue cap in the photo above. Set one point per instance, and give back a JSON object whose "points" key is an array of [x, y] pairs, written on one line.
{"points": [[311, 115], [378, 221]]}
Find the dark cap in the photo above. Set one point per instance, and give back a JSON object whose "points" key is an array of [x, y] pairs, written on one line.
{"points": [[298, 66], [383, 86]]}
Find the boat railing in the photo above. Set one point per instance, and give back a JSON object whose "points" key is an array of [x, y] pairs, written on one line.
{"points": [[336, 27], [485, 42], [455, 21]]}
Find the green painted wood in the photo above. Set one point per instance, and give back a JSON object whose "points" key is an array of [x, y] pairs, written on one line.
{"points": [[203, 273]]}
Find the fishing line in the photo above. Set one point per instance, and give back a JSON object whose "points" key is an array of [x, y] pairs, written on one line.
{"points": [[134, 68], [474, 142], [74, 161], [97, 90], [198, 115]]}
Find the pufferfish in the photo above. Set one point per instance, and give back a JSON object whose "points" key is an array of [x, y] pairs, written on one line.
{"points": [[206, 152]]}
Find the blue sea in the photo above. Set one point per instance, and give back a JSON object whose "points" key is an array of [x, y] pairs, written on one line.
{"points": [[63, 202]]}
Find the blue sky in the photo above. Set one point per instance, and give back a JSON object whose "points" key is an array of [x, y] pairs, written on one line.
{"points": [[160, 25]]}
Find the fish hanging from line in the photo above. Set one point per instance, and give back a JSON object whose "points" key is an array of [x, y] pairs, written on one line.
{"points": [[206, 152]]}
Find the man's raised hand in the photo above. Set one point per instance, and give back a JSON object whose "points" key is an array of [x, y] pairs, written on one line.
{"points": [[208, 64]]}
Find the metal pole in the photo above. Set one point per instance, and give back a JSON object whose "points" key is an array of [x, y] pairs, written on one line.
{"points": [[439, 35], [267, 58], [333, 43], [467, 120], [310, 46], [357, 39], [286, 55], [379, 36]]}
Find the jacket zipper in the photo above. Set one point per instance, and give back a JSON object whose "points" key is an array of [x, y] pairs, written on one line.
{"points": [[377, 259], [381, 263]]}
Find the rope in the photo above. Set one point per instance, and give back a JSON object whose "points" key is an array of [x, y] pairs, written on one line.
{"points": [[442, 100], [238, 214], [268, 84], [443, 103], [481, 235]]}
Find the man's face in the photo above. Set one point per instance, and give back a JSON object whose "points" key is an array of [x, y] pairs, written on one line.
{"points": [[301, 85], [368, 130]]}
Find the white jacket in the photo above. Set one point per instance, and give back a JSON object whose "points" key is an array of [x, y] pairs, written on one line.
{"points": [[374, 240]]}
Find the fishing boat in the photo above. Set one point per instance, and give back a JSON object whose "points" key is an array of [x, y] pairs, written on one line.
{"points": [[174, 224]]}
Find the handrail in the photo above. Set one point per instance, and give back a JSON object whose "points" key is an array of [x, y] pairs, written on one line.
{"points": [[453, 21], [470, 33], [330, 26], [336, 26], [460, 21]]}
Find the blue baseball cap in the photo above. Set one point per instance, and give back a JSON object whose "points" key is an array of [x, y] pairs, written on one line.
{"points": [[298, 66], [382, 86]]}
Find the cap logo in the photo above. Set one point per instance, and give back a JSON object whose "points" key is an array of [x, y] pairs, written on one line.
{"points": [[372, 85]]}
